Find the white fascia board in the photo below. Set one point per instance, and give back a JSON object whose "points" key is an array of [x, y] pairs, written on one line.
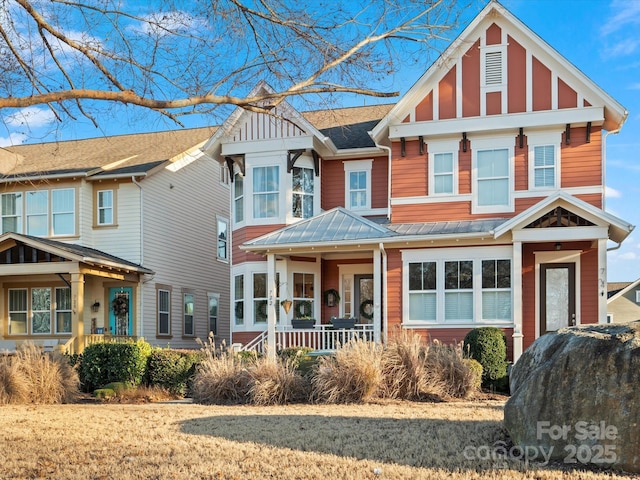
{"points": [[349, 153], [272, 145], [495, 123], [560, 234]]}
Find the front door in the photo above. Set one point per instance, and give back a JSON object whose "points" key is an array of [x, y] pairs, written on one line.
{"points": [[557, 296], [120, 311], [363, 298]]}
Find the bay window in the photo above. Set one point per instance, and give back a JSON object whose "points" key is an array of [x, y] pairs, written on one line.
{"points": [[302, 192], [266, 192]]}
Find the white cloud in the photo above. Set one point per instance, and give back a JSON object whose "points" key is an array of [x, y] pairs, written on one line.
{"points": [[626, 46], [611, 192], [33, 117], [628, 256], [627, 12], [13, 139]]}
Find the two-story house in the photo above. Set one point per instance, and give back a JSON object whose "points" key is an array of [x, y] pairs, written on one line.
{"points": [[118, 237], [476, 200]]}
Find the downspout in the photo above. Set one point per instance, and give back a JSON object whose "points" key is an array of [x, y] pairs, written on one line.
{"points": [[388, 149], [385, 309], [141, 320], [604, 168]]}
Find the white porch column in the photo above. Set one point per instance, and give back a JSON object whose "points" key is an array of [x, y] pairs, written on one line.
{"points": [[602, 280], [77, 311], [271, 306], [517, 300], [377, 301]]}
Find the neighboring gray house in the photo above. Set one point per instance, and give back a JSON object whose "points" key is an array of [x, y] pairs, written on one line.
{"points": [[123, 236], [623, 301]]}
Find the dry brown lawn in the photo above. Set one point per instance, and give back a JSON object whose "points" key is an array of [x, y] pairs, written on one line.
{"points": [[391, 440]]}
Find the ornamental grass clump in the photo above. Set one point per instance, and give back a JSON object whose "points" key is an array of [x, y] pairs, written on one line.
{"points": [[454, 374], [276, 381], [352, 374], [221, 377], [31, 376]]}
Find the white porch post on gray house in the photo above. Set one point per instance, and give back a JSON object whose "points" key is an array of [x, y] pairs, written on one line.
{"points": [[602, 280], [377, 289], [517, 300], [271, 305]]}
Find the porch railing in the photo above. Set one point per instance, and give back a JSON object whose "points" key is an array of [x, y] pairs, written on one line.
{"points": [[72, 347], [322, 337]]}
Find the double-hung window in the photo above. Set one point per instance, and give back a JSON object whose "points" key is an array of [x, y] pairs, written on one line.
{"points": [[164, 311], [358, 184], [492, 174], [37, 213], [443, 167], [63, 211], [18, 311], [238, 197], [214, 299], [458, 286], [266, 192], [238, 296], [63, 310], [12, 212], [544, 166], [260, 304], [496, 289], [105, 207], [422, 291], [302, 192]]}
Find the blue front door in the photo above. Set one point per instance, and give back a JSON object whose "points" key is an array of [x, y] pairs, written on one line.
{"points": [[120, 311]]}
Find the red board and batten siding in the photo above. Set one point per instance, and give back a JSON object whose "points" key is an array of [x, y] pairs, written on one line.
{"points": [[541, 78]]}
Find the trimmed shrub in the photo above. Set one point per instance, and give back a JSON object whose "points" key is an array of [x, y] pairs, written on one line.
{"points": [[172, 369], [31, 376], [352, 374], [104, 363], [488, 346]]}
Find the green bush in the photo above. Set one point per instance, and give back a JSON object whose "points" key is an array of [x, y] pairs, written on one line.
{"points": [[172, 369], [104, 363], [488, 346], [294, 354]]}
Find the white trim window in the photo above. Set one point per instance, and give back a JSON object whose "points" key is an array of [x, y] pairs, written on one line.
{"points": [[357, 182], [189, 329], [544, 160], [238, 296], [63, 310], [266, 191], [443, 167], [492, 174], [37, 213], [214, 301], [260, 303], [223, 239], [164, 312], [12, 212], [105, 207], [303, 191], [63, 216], [238, 197], [224, 174], [457, 287], [18, 311], [303, 288]]}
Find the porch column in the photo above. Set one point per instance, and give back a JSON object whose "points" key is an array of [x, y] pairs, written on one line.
{"points": [[517, 301], [377, 289], [77, 311], [271, 305], [602, 280]]}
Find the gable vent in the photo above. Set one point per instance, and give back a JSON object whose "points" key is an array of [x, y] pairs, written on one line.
{"points": [[493, 68]]}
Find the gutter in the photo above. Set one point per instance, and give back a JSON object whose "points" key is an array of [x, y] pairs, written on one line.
{"points": [[388, 149], [50, 176]]}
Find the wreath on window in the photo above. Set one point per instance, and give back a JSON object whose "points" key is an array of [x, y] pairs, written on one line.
{"points": [[366, 309], [120, 306], [331, 292], [304, 309], [239, 310]]}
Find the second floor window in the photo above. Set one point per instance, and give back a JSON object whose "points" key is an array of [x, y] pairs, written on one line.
{"points": [[105, 207], [544, 166], [493, 179], [302, 192], [266, 192], [39, 213], [238, 197], [443, 173], [12, 212], [63, 211], [357, 189]]}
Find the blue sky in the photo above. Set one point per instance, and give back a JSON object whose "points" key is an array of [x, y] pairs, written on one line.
{"points": [[600, 37]]}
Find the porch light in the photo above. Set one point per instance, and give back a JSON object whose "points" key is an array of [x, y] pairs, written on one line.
{"points": [[558, 246], [95, 307]]}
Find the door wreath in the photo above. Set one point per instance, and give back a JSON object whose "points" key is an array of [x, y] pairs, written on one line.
{"points": [[304, 309], [366, 309]]}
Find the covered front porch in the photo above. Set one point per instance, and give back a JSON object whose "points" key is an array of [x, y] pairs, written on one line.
{"points": [[65, 296]]}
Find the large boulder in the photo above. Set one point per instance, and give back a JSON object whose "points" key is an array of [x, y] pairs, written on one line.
{"points": [[575, 397]]}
